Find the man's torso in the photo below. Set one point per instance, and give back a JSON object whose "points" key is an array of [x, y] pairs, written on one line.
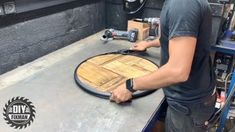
{"points": [[201, 80]]}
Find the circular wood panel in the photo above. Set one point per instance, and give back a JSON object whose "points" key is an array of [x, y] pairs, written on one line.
{"points": [[105, 72]]}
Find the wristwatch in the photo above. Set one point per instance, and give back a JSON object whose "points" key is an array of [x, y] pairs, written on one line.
{"points": [[130, 85]]}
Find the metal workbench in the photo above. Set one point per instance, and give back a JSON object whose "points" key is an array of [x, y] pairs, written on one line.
{"points": [[63, 107]]}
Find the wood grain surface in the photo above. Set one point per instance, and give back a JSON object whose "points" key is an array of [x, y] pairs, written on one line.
{"points": [[106, 72]]}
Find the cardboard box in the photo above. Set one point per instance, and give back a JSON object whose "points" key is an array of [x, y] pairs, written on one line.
{"points": [[143, 29]]}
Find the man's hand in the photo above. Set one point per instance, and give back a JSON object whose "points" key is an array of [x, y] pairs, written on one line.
{"points": [[121, 94], [141, 46]]}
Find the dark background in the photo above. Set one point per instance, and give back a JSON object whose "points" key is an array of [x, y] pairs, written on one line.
{"points": [[39, 27]]}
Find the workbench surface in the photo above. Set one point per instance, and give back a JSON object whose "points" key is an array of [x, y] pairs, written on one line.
{"points": [[63, 107]]}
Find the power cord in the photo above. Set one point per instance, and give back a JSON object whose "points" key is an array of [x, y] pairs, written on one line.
{"points": [[137, 10]]}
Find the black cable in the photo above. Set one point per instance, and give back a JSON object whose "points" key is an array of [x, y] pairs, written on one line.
{"points": [[137, 10]]}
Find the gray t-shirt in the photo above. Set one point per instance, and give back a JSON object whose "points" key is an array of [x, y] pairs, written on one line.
{"points": [[189, 18]]}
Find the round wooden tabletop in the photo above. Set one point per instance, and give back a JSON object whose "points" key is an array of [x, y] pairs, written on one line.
{"points": [[105, 72]]}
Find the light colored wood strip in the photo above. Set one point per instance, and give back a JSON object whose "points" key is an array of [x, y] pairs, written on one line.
{"points": [[94, 74], [88, 83], [99, 60], [124, 70], [114, 83], [129, 60], [146, 65]]}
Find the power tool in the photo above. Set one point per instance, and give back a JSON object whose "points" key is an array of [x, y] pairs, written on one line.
{"points": [[111, 34], [154, 24], [154, 21]]}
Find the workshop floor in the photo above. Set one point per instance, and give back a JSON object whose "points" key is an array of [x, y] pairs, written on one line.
{"points": [[61, 106]]}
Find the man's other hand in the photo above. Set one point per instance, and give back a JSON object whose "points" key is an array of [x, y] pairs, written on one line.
{"points": [[141, 46], [121, 94]]}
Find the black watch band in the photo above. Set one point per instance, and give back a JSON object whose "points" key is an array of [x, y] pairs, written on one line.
{"points": [[130, 85]]}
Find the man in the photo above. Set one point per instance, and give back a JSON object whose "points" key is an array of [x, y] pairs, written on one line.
{"points": [[186, 74]]}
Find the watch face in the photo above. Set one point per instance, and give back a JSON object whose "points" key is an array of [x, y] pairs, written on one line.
{"points": [[104, 73], [129, 85]]}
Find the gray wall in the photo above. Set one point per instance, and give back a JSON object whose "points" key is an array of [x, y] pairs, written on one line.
{"points": [[25, 37]]}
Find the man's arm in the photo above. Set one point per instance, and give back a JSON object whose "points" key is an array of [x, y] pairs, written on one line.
{"points": [[154, 43], [143, 45], [176, 70]]}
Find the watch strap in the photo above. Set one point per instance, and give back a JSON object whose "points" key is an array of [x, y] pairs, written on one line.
{"points": [[130, 85]]}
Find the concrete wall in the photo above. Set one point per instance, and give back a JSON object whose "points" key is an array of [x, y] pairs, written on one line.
{"points": [[25, 37]]}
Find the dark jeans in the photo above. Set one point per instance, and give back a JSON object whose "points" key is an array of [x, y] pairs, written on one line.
{"points": [[189, 117]]}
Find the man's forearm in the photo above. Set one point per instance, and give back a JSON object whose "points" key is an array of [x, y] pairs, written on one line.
{"points": [[164, 76], [154, 43], [176, 70]]}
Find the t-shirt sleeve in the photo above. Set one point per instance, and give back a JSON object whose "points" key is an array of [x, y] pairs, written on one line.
{"points": [[183, 20]]}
